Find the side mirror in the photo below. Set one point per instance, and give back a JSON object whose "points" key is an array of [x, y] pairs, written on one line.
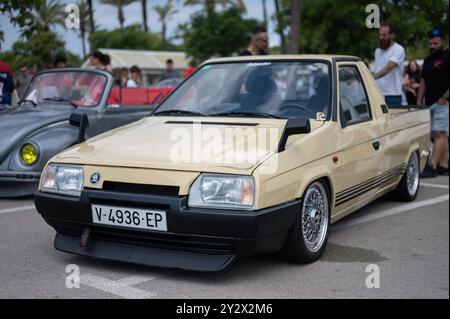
{"points": [[81, 121], [293, 126]]}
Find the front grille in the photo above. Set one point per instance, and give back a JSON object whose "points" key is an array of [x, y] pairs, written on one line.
{"points": [[141, 189], [192, 243]]}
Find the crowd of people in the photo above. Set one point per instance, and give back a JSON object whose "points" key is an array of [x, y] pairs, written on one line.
{"points": [[412, 84]]}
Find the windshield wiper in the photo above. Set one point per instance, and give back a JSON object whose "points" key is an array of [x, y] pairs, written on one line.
{"points": [[178, 112], [247, 114], [60, 99]]}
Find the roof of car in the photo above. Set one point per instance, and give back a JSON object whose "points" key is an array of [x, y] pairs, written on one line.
{"points": [[328, 57]]}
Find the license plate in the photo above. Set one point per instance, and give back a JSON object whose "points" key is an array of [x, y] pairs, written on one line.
{"points": [[141, 218]]}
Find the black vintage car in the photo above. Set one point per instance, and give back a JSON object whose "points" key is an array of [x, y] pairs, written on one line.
{"points": [[38, 127]]}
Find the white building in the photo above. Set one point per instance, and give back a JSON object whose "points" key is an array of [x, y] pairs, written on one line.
{"points": [[151, 63]]}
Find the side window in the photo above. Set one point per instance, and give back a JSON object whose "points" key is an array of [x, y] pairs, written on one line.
{"points": [[353, 102]]}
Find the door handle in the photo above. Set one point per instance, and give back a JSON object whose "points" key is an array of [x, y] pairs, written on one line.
{"points": [[376, 145]]}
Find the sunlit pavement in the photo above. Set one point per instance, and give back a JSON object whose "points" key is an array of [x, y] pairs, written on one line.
{"points": [[409, 245]]}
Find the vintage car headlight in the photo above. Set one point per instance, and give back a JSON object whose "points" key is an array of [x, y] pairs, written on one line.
{"points": [[29, 153], [222, 191], [63, 179]]}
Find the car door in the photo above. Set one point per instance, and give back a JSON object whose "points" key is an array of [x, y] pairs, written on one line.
{"points": [[124, 106], [361, 141]]}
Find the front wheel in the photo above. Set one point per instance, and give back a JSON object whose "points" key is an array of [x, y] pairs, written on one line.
{"points": [[308, 236], [408, 187]]}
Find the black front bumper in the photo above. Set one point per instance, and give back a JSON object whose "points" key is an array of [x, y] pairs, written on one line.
{"points": [[18, 184], [196, 238]]}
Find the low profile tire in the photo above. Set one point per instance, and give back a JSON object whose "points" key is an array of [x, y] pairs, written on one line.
{"points": [[408, 187], [308, 236]]}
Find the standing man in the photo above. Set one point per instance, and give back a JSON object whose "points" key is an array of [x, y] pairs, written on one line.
{"points": [[22, 80], [388, 71], [259, 43], [169, 73], [434, 87], [6, 84]]}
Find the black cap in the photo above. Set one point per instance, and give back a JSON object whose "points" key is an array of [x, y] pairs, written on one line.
{"points": [[435, 33]]}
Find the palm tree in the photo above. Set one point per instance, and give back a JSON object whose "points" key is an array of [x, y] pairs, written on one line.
{"points": [[280, 27], [91, 15], [48, 13], [264, 8], [85, 19], [164, 12], [144, 14], [294, 30], [119, 4]]}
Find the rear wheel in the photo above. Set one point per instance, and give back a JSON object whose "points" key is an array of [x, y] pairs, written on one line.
{"points": [[408, 187], [308, 236]]}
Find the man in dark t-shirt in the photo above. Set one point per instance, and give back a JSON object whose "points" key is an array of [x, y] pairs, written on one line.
{"points": [[434, 87], [259, 42], [6, 83]]}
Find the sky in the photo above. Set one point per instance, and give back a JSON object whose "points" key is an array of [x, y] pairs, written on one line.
{"points": [[106, 18]]}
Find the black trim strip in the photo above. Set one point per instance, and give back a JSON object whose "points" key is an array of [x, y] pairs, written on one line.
{"points": [[362, 190], [369, 181], [371, 187]]}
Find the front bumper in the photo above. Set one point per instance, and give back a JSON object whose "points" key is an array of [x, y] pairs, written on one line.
{"points": [[196, 238], [18, 184]]}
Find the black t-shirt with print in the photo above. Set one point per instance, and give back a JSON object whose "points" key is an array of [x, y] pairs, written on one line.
{"points": [[435, 72]]}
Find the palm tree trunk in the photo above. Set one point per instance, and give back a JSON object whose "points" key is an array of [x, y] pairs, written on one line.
{"points": [[264, 7], [144, 14], [209, 4], [294, 32], [163, 32], [83, 44], [120, 17], [280, 27], [91, 16]]}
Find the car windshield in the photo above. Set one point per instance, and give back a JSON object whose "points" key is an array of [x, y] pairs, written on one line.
{"points": [[76, 88], [280, 89]]}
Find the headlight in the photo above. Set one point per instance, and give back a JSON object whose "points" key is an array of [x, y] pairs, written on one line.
{"points": [[222, 191], [29, 154], [63, 179]]}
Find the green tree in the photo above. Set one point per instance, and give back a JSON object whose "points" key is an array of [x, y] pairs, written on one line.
{"points": [[119, 4], [220, 34], [132, 38], [210, 5], [329, 26], [40, 49], [164, 13], [20, 14]]}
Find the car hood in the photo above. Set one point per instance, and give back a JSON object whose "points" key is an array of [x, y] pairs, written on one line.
{"points": [[222, 145], [18, 123]]}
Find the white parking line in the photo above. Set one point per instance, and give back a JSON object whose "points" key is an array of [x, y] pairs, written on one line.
{"points": [[122, 288], [434, 185], [390, 212], [16, 209]]}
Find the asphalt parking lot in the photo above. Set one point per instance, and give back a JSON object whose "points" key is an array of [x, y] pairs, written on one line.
{"points": [[407, 243]]}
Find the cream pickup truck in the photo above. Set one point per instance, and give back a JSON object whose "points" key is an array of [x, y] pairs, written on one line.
{"points": [[249, 155]]}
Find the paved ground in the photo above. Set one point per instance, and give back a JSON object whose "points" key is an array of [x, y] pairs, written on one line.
{"points": [[407, 243]]}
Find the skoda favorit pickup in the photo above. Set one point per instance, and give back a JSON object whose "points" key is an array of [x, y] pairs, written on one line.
{"points": [[250, 155]]}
